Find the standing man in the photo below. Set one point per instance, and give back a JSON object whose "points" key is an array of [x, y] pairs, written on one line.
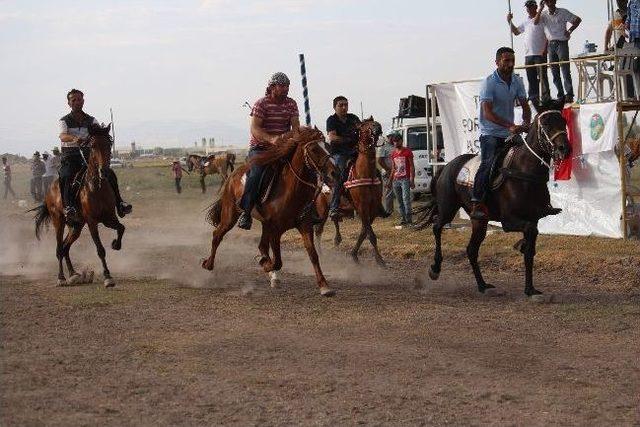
{"points": [[271, 116], [343, 139], [554, 21], [632, 22], [535, 43], [50, 171], [176, 170], [498, 94], [74, 135], [37, 170], [403, 174], [6, 170], [384, 161]]}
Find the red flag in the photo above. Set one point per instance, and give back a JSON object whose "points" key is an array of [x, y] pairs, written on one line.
{"points": [[562, 169]]}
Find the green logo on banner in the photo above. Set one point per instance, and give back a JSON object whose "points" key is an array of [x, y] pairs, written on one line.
{"points": [[597, 126]]}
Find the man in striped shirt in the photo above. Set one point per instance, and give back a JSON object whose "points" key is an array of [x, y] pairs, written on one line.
{"points": [[271, 116]]}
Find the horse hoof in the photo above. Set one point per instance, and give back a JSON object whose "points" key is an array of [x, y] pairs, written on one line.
{"points": [[432, 274], [326, 291], [532, 292], [62, 282], [274, 279], [109, 283], [115, 245], [75, 279], [207, 265]]}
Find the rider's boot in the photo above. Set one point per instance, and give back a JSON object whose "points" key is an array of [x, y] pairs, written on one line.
{"points": [[122, 208], [479, 211], [245, 221]]}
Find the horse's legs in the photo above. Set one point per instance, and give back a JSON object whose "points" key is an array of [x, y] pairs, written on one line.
{"points": [[434, 271], [529, 250], [71, 237], [338, 238], [228, 219], [318, 230], [114, 224], [93, 229], [59, 226], [204, 189], [263, 247], [363, 233], [307, 238], [277, 259], [478, 233], [374, 242]]}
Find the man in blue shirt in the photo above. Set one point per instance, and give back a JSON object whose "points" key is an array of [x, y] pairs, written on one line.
{"points": [[498, 93]]}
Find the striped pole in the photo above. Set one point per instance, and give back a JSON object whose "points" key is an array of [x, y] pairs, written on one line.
{"points": [[510, 32], [305, 91]]}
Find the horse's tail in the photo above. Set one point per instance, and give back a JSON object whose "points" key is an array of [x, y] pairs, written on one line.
{"points": [[214, 213], [427, 213], [41, 217]]}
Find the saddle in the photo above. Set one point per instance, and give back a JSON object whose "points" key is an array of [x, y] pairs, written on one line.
{"points": [[467, 175], [268, 181]]}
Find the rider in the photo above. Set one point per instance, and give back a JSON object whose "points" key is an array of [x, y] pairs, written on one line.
{"points": [[343, 138], [74, 134], [271, 116]]}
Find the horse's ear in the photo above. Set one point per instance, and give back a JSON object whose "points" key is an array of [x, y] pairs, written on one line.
{"points": [[370, 119], [109, 128], [315, 128]]}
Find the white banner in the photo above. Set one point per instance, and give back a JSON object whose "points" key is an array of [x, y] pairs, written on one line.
{"points": [[598, 127], [458, 105]]}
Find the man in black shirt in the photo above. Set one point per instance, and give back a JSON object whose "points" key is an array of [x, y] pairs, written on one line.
{"points": [[343, 138]]}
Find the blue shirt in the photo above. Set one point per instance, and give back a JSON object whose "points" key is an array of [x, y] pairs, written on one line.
{"points": [[633, 19], [503, 96]]}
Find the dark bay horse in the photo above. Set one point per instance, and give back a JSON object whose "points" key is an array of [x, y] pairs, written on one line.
{"points": [[211, 165], [518, 203], [302, 157], [97, 206]]}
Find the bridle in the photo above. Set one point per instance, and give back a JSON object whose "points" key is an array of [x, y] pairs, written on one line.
{"points": [[543, 137], [311, 164]]}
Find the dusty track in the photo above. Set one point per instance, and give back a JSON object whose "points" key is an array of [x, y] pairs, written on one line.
{"points": [[175, 345]]}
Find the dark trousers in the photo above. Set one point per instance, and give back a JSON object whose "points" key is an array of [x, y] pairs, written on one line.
{"points": [[536, 76], [36, 188], [489, 146], [252, 184], [559, 51], [341, 160], [7, 187], [178, 187], [69, 166]]}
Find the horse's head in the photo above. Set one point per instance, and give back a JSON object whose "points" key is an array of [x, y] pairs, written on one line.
{"points": [[550, 129], [369, 132], [316, 156], [100, 142]]}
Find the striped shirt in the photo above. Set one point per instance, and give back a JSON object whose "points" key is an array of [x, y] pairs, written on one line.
{"points": [[633, 19], [276, 117]]}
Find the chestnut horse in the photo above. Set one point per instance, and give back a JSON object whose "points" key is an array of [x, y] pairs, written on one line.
{"points": [[301, 157], [365, 192], [97, 206], [211, 165], [518, 203]]}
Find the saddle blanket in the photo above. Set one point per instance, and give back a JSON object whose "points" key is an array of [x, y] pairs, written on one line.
{"points": [[467, 174]]}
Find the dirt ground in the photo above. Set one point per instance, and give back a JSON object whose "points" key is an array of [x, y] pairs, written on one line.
{"points": [[173, 344]]}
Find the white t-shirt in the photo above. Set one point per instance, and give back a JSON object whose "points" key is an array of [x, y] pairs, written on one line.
{"points": [[50, 167], [555, 25], [534, 38], [69, 125]]}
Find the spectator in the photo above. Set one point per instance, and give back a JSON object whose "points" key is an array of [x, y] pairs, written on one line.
{"points": [[554, 22], [632, 22], [50, 172], [403, 177], [535, 43], [6, 169], [384, 161], [176, 169], [37, 170], [616, 26]]}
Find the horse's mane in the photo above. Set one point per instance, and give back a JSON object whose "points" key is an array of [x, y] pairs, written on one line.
{"points": [[286, 145]]}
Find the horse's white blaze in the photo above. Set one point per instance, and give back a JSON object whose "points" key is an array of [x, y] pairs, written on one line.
{"points": [[274, 277]]}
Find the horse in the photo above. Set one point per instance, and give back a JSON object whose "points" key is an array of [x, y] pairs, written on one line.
{"points": [[97, 206], [364, 190], [299, 158], [518, 203], [210, 165]]}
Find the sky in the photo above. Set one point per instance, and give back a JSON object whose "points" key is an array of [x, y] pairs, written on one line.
{"points": [[176, 71]]}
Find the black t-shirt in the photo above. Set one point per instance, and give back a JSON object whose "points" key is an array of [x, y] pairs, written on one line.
{"points": [[347, 130]]}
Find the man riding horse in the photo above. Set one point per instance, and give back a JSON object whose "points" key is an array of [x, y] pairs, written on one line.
{"points": [[271, 116], [74, 135], [498, 93]]}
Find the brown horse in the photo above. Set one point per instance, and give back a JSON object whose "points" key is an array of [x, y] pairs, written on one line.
{"points": [[211, 165], [97, 206], [299, 157], [518, 203], [364, 191]]}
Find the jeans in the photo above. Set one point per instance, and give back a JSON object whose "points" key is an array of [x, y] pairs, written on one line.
{"points": [[488, 148], [559, 51], [536, 75], [340, 160], [7, 187], [36, 188], [178, 186], [252, 184], [402, 190]]}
